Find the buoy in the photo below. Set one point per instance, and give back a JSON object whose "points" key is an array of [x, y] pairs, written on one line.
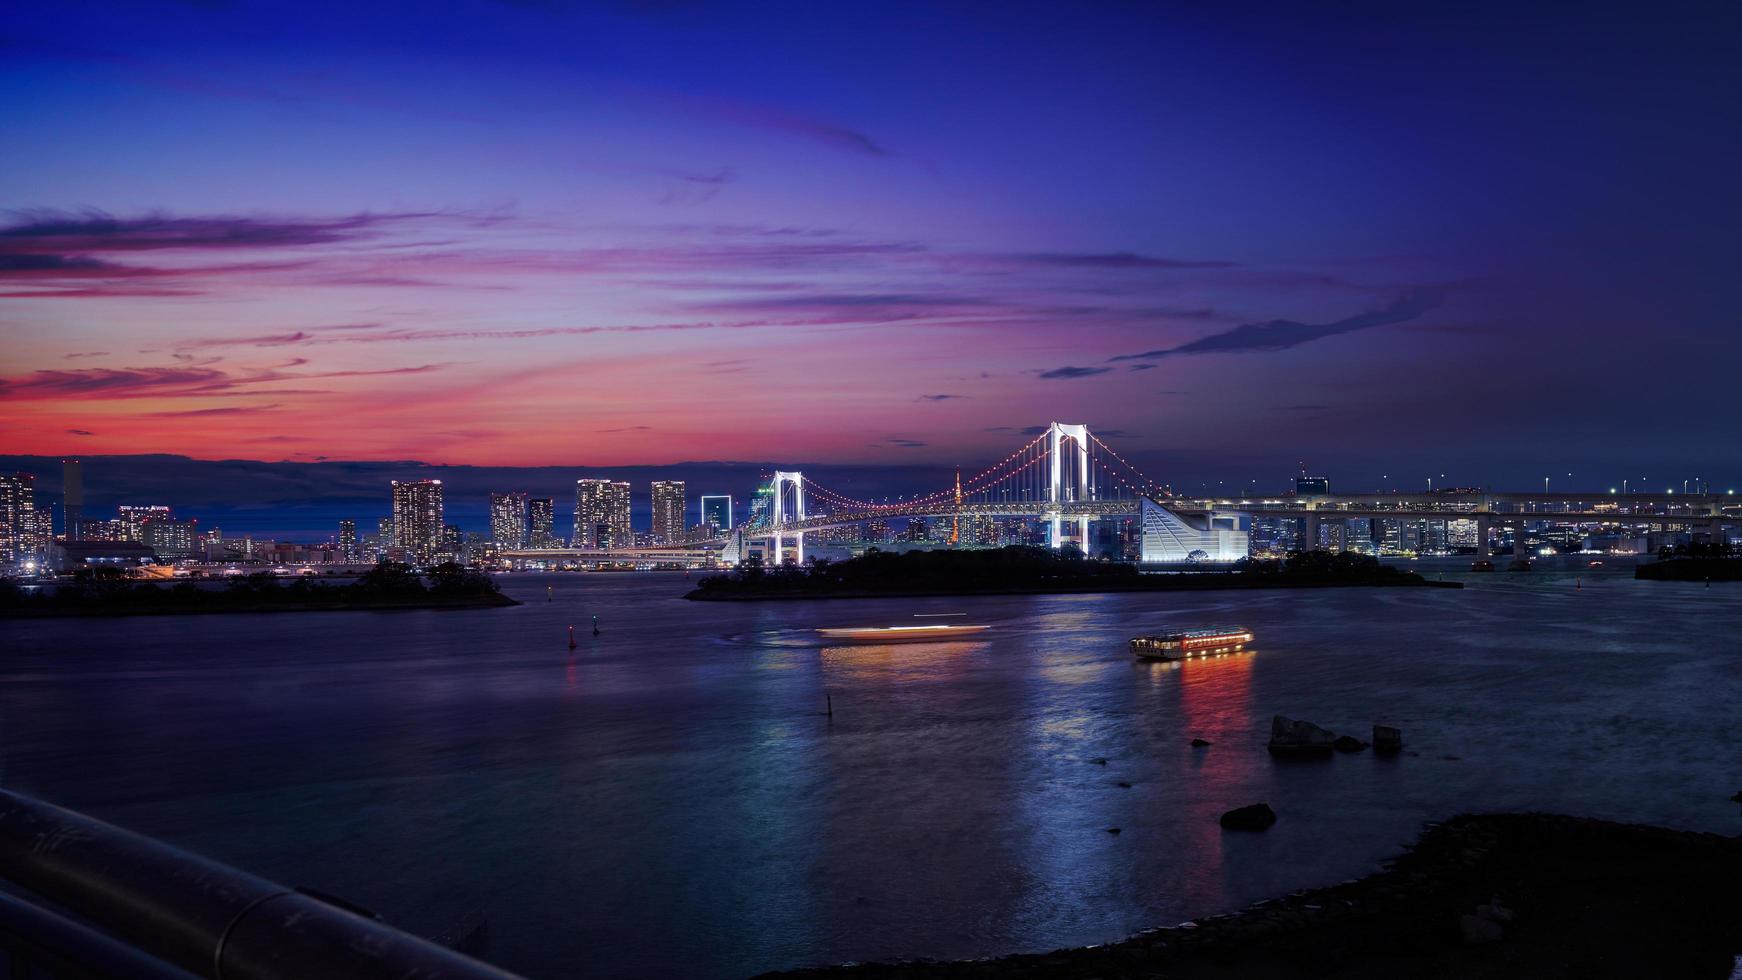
{"points": [[595, 624], [1577, 584], [830, 700], [571, 637], [549, 594]]}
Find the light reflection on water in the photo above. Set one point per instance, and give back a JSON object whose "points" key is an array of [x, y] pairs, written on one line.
{"points": [[671, 797]]}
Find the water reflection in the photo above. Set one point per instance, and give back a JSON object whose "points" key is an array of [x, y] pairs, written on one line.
{"points": [[671, 798]]}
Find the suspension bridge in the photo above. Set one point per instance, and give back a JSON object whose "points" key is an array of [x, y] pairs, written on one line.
{"points": [[1067, 477]]}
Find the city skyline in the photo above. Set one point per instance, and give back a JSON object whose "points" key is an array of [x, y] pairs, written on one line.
{"points": [[1238, 239]]}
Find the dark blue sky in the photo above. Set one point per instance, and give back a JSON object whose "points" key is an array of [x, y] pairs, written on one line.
{"points": [[1491, 241]]}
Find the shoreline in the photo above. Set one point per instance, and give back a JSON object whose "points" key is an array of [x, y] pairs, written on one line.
{"points": [[496, 601], [1579, 897], [699, 595]]}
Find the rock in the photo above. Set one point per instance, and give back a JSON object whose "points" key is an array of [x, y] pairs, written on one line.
{"points": [[1290, 737], [1494, 911], [1258, 816], [1478, 930], [1112, 830], [1123, 785], [1198, 743], [1348, 743], [1734, 799], [1097, 762], [1387, 740]]}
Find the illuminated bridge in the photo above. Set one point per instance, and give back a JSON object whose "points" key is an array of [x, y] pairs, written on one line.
{"points": [[1067, 477]]}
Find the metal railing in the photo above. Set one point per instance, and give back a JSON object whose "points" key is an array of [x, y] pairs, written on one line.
{"points": [[88, 899]]}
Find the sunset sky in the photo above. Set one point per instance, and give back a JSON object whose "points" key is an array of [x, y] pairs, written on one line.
{"points": [[527, 234]]}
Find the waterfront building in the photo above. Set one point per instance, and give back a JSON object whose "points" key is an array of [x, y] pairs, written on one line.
{"points": [[1171, 537], [602, 514], [417, 518], [717, 513], [669, 505], [17, 520], [508, 528], [72, 481], [877, 531], [134, 516], [384, 536], [348, 540], [541, 523], [172, 539], [1461, 533]]}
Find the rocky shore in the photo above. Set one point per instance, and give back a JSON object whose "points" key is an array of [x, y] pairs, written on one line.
{"points": [[1510, 895]]}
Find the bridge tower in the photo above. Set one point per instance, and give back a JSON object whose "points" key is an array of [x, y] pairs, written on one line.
{"points": [[1056, 492], [781, 479]]}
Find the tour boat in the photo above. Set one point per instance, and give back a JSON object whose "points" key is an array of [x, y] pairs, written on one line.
{"points": [[1189, 643], [928, 633]]}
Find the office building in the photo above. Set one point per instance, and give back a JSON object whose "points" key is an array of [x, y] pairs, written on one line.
{"points": [[384, 536], [762, 505], [417, 518], [508, 521], [72, 476], [172, 539], [17, 519], [717, 513], [602, 514], [133, 518], [669, 505], [541, 523], [348, 540]]}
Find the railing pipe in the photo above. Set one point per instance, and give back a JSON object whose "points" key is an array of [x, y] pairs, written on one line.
{"points": [[202, 916]]}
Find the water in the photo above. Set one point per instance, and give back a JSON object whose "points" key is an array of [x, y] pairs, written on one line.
{"points": [[670, 799]]}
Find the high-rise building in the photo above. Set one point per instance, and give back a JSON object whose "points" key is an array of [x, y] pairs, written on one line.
{"points": [[17, 519], [171, 538], [417, 518], [602, 514], [669, 505], [72, 479], [44, 536], [508, 520], [348, 540], [541, 523], [717, 513], [762, 505], [133, 518], [453, 544], [384, 536]]}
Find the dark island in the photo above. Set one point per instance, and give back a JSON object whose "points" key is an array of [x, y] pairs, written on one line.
{"points": [[1022, 570], [1520, 895], [389, 585], [1694, 562]]}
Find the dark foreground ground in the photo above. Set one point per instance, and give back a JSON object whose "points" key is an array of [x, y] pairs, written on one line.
{"points": [[1581, 898]]}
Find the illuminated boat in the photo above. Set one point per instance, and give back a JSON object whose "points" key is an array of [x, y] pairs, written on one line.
{"points": [[929, 633], [1189, 643]]}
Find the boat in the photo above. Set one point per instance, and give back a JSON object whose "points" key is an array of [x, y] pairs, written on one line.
{"points": [[1184, 644], [1481, 565], [928, 633]]}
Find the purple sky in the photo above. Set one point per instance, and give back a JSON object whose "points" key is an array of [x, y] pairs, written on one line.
{"points": [[1494, 243]]}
